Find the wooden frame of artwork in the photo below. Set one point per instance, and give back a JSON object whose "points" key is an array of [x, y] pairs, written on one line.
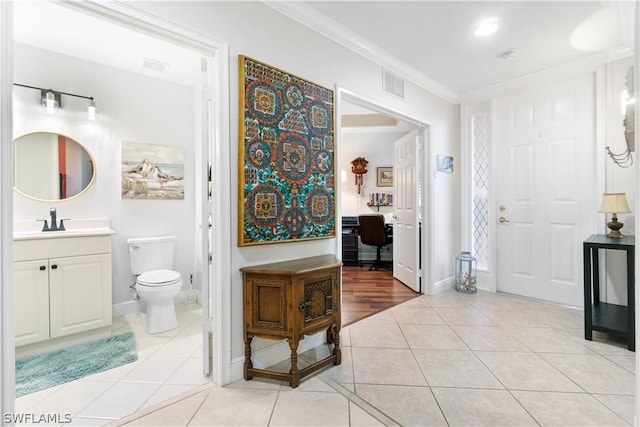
{"points": [[384, 177], [286, 168]]}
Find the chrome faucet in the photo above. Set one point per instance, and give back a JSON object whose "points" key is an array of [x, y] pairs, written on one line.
{"points": [[54, 222]]}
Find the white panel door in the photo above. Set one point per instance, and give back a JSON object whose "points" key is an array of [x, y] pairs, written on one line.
{"points": [[406, 227], [545, 181]]}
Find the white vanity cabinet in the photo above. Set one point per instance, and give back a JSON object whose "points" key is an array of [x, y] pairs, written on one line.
{"points": [[62, 285]]}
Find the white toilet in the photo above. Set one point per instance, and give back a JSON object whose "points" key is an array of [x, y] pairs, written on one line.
{"points": [[156, 284]]}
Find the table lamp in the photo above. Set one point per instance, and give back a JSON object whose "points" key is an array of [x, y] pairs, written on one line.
{"points": [[614, 203]]}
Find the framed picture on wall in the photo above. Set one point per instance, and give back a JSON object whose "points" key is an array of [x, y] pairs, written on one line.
{"points": [[286, 189], [385, 177], [444, 163]]}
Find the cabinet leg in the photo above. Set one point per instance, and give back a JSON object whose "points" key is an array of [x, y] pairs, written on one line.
{"points": [[294, 371], [247, 356], [336, 344]]}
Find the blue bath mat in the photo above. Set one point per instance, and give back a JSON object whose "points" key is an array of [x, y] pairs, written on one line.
{"points": [[46, 370]]}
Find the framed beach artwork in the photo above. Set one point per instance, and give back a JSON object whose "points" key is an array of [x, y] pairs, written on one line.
{"points": [[384, 177], [286, 189], [152, 172]]}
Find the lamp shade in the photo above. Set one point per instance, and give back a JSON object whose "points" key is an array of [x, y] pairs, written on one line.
{"points": [[614, 203]]}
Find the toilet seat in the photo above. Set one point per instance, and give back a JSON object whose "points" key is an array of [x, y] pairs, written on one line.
{"points": [[159, 278]]}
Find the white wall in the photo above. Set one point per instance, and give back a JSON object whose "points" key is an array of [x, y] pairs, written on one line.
{"points": [[255, 30], [617, 179], [131, 108], [377, 149]]}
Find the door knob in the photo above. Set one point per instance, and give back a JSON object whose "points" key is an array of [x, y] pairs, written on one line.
{"points": [[503, 219]]}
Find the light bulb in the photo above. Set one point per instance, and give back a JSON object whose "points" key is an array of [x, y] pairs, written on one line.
{"points": [[92, 113], [49, 102]]}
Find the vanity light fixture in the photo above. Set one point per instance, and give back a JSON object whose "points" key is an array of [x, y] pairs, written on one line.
{"points": [[51, 100]]}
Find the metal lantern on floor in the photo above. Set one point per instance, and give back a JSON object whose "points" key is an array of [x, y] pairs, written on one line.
{"points": [[465, 273]]}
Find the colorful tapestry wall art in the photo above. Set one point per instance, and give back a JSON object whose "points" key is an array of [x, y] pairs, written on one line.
{"points": [[286, 157]]}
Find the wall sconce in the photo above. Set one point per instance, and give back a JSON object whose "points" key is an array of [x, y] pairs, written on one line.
{"points": [[628, 101], [51, 100], [359, 168], [614, 203]]}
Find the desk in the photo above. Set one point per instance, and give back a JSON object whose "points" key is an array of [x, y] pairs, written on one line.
{"points": [[612, 319]]}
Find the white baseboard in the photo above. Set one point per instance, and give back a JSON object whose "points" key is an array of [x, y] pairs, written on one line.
{"points": [[182, 296], [273, 354], [127, 307], [133, 306], [443, 285]]}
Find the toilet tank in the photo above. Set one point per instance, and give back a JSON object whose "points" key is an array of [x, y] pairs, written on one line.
{"points": [[151, 253]]}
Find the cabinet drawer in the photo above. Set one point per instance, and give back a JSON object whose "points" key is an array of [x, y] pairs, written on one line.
{"points": [[24, 250], [350, 241], [349, 256]]}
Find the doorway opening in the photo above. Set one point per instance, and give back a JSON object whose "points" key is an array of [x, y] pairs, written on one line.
{"points": [[203, 90], [369, 130]]}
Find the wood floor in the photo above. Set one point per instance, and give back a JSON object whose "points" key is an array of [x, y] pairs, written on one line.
{"points": [[365, 293]]}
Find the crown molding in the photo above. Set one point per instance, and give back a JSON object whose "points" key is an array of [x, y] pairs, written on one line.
{"points": [[316, 21]]}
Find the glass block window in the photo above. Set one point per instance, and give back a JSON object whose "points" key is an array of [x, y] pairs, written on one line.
{"points": [[480, 189]]}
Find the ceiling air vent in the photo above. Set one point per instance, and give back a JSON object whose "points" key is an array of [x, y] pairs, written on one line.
{"points": [[154, 64], [392, 84]]}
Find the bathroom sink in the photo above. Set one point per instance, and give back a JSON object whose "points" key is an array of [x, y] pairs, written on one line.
{"points": [[28, 230]]}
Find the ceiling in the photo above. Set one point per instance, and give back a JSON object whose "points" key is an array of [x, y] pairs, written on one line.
{"points": [[432, 44], [85, 36], [429, 43]]}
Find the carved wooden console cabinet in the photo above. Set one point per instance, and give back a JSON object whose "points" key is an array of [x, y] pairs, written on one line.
{"points": [[291, 299]]}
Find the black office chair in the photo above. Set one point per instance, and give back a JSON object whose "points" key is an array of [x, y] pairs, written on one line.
{"points": [[373, 232]]}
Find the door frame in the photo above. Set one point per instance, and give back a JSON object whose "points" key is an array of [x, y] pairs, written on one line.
{"points": [[217, 51], [219, 128], [7, 350], [343, 94]]}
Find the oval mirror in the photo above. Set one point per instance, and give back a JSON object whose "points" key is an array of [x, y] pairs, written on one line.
{"points": [[49, 166]]}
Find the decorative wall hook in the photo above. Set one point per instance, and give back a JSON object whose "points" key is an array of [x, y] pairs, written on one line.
{"points": [[359, 168]]}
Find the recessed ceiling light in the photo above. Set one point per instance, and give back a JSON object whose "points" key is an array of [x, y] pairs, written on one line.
{"points": [[486, 27]]}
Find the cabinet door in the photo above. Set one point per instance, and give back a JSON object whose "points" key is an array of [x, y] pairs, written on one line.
{"points": [[267, 299], [31, 301], [319, 304], [80, 293]]}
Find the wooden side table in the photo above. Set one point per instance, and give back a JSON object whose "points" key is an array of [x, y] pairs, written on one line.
{"points": [[600, 316], [288, 300]]}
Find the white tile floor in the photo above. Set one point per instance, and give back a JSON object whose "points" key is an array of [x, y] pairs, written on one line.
{"points": [[451, 359], [168, 365]]}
